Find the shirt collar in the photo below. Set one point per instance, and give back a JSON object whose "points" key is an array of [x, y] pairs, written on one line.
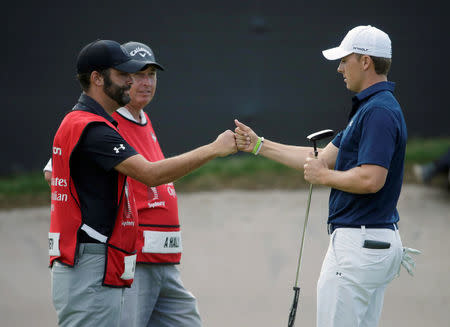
{"points": [[126, 113], [86, 103], [367, 93]]}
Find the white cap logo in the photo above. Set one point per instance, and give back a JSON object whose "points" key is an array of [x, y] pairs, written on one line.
{"points": [[366, 40], [141, 51]]}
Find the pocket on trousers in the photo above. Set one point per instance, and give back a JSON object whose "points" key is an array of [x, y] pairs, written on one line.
{"points": [[373, 244], [345, 249]]}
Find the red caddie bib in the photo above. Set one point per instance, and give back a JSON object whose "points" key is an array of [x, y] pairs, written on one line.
{"points": [[159, 238], [66, 220]]}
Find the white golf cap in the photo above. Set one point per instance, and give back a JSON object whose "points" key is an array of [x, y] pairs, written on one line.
{"points": [[366, 40]]}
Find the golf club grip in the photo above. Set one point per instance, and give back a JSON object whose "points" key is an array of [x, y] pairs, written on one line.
{"points": [[294, 307]]}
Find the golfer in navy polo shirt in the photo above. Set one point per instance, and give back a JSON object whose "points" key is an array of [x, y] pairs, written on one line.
{"points": [[363, 165], [365, 249]]}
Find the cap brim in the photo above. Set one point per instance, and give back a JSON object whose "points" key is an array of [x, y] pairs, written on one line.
{"points": [[130, 66], [152, 63], [335, 53]]}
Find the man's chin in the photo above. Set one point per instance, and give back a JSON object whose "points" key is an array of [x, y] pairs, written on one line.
{"points": [[139, 104], [144, 101], [124, 101]]}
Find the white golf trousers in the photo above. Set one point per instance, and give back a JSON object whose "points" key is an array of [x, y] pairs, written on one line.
{"points": [[351, 286]]}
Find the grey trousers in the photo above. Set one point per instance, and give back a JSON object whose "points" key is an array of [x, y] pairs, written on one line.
{"points": [[158, 298], [78, 295]]}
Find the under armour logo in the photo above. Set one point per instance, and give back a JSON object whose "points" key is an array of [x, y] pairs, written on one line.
{"points": [[117, 149], [338, 274]]}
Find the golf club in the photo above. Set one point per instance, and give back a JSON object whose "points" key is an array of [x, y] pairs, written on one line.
{"points": [[313, 138]]}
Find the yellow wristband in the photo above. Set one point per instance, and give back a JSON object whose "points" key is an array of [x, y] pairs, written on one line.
{"points": [[255, 149], [258, 145]]}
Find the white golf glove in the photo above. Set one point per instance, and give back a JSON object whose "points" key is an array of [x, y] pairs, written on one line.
{"points": [[408, 261]]}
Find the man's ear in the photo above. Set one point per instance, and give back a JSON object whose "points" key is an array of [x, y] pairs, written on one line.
{"points": [[366, 61], [96, 78]]}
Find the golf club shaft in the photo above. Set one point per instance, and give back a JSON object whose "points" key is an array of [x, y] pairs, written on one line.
{"points": [[293, 312], [303, 234]]}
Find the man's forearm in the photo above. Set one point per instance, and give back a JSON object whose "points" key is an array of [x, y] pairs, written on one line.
{"points": [[166, 170], [357, 180], [289, 155], [171, 169]]}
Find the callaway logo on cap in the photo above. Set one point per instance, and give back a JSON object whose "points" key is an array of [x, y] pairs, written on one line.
{"points": [[142, 53], [366, 40]]}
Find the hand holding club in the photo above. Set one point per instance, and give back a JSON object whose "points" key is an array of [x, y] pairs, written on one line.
{"points": [[314, 168]]}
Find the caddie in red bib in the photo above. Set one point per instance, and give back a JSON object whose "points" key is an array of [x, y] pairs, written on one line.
{"points": [[159, 238], [158, 296], [93, 238], [66, 218], [93, 226]]}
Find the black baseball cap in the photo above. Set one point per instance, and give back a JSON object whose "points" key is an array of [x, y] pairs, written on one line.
{"points": [[103, 54], [142, 53]]}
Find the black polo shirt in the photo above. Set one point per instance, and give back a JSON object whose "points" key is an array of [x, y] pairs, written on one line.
{"points": [[92, 163]]}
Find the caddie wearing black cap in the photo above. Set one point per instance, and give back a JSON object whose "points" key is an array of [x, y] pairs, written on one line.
{"points": [[92, 233], [93, 227], [157, 296]]}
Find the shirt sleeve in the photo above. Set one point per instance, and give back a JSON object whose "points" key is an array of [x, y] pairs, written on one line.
{"points": [[48, 166], [378, 138], [337, 139], [105, 146]]}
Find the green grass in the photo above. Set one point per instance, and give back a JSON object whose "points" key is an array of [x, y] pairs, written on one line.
{"points": [[238, 166], [24, 190], [27, 183], [425, 150], [243, 171]]}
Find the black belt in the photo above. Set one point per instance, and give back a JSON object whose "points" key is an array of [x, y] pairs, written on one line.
{"points": [[333, 227]]}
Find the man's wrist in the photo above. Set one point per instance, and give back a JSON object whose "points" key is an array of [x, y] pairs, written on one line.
{"points": [[258, 145], [213, 149], [325, 175]]}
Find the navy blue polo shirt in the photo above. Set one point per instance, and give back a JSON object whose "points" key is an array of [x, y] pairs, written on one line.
{"points": [[376, 135], [92, 170]]}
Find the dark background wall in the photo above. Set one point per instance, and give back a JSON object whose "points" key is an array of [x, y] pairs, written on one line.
{"points": [[259, 61]]}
